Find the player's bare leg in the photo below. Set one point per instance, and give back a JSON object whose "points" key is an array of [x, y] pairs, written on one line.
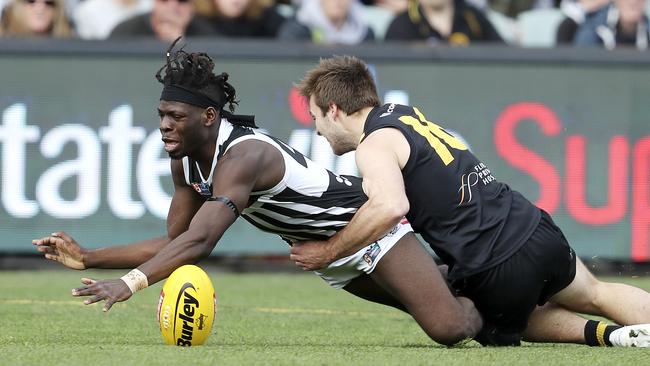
{"points": [[412, 277], [621, 303], [553, 323], [624, 304], [367, 289]]}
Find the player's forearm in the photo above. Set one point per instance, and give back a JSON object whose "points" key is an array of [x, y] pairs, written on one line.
{"points": [[188, 248], [207, 227], [125, 256], [371, 222]]}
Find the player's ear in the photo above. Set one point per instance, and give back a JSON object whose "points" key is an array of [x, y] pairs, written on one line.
{"points": [[210, 116], [332, 109]]}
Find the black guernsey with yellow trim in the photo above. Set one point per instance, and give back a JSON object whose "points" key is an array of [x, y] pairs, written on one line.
{"points": [[472, 221]]}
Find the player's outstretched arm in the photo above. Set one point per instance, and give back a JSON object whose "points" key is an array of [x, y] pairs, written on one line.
{"points": [[379, 158], [235, 177], [62, 248]]}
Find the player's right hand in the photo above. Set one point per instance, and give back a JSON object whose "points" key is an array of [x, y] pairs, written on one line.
{"points": [[60, 247]]}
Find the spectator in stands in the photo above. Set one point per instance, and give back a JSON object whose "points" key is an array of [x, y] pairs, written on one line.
{"points": [[442, 21], [395, 6], [35, 18], [576, 11], [245, 18], [95, 19], [622, 23], [328, 21], [168, 20], [513, 8]]}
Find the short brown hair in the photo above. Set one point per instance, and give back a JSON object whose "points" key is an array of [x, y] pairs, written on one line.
{"points": [[342, 80]]}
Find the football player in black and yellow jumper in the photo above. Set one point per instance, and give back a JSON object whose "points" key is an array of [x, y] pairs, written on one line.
{"points": [[503, 252]]}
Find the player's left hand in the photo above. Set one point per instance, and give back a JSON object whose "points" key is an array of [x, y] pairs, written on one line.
{"points": [[311, 255], [110, 290]]}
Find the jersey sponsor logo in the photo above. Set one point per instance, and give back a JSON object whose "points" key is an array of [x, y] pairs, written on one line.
{"points": [[481, 174], [343, 180], [467, 181], [371, 253], [389, 111], [202, 188]]}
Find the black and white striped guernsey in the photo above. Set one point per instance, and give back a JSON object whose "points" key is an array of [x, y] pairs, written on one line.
{"points": [[309, 203]]}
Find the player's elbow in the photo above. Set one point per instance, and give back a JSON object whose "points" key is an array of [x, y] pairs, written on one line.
{"points": [[394, 211]]}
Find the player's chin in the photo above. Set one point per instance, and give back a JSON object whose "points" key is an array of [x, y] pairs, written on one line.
{"points": [[338, 150], [176, 154]]}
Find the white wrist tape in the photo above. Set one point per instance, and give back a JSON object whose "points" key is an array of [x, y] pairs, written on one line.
{"points": [[136, 280]]}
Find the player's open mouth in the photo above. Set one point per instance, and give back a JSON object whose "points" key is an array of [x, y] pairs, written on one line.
{"points": [[170, 145]]}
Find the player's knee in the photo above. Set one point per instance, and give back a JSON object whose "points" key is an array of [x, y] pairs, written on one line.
{"points": [[597, 295], [589, 300]]}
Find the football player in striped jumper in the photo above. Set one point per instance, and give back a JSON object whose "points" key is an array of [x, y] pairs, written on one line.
{"points": [[223, 167]]}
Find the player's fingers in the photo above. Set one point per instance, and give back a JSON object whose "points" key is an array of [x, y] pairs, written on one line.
{"points": [[47, 240], [50, 241], [81, 291], [108, 305], [87, 290], [296, 252], [93, 299], [47, 249], [62, 235], [88, 281], [53, 257]]}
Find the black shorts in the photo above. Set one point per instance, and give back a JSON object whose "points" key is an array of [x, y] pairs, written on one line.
{"points": [[507, 294]]}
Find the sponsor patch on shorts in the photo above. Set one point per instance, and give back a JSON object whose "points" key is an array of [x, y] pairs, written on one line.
{"points": [[371, 253], [397, 227]]}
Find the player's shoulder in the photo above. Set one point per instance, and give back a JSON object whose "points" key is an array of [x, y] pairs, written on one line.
{"points": [[389, 114], [251, 148], [385, 121]]}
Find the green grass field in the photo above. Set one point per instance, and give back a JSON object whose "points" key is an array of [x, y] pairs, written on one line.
{"points": [[262, 319]]}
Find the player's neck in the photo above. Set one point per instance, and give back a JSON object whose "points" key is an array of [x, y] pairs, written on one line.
{"points": [[359, 121], [204, 156]]}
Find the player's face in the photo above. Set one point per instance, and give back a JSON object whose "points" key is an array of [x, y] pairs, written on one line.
{"points": [[328, 127], [181, 128]]}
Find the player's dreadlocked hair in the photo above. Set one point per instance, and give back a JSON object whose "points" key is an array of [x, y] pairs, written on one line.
{"points": [[190, 77]]}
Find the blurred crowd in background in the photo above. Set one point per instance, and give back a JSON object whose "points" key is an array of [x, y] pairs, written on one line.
{"points": [[528, 23]]}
